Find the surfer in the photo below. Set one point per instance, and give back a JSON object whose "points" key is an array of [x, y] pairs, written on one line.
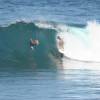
{"points": [[60, 45], [33, 43], [60, 42]]}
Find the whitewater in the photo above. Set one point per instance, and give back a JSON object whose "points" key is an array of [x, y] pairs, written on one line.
{"points": [[80, 43]]}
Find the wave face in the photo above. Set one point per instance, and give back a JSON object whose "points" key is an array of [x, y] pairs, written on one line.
{"points": [[15, 49]]}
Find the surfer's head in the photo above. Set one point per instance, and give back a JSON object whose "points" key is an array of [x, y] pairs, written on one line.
{"points": [[58, 37]]}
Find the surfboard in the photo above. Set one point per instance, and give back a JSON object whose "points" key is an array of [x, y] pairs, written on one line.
{"points": [[61, 51]]}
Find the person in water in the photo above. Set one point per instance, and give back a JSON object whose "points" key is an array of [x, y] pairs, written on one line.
{"points": [[60, 42], [33, 43], [60, 45]]}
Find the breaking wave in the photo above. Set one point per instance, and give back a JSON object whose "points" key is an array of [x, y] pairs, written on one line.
{"points": [[80, 43]]}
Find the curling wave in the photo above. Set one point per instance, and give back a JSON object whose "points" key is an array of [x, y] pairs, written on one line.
{"points": [[15, 49], [80, 43]]}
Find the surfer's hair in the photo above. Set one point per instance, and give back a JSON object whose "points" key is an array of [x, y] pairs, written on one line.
{"points": [[58, 37]]}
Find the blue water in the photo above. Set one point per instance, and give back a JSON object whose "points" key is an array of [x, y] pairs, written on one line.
{"points": [[41, 84], [66, 11], [41, 74]]}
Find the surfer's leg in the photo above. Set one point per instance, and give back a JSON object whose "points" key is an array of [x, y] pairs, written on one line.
{"points": [[61, 55]]}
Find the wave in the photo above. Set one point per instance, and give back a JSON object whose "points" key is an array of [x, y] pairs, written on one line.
{"points": [[80, 43], [15, 49]]}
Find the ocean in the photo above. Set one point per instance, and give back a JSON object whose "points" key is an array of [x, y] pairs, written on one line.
{"points": [[42, 74]]}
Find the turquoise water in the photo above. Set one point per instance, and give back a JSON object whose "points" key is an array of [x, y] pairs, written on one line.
{"points": [[42, 74]]}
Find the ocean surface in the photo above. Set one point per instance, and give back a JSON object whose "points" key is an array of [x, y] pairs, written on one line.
{"points": [[42, 74]]}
